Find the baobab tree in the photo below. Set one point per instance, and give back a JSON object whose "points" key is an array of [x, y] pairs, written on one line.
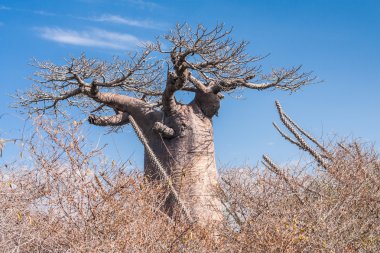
{"points": [[142, 89]]}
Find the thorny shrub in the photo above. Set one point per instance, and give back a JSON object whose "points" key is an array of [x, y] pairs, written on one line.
{"points": [[70, 199]]}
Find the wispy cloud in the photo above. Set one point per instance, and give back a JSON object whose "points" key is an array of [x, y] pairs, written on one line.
{"points": [[90, 38], [91, 1], [44, 13], [4, 8], [128, 21], [143, 4], [37, 12]]}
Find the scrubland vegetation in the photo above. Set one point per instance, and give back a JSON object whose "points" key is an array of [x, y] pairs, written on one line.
{"points": [[71, 199]]}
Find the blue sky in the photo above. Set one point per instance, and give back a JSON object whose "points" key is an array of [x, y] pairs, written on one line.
{"points": [[337, 39]]}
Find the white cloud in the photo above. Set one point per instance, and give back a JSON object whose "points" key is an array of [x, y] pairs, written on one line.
{"points": [[126, 21], [91, 38]]}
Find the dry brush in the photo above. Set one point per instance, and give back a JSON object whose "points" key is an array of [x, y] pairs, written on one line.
{"points": [[70, 199]]}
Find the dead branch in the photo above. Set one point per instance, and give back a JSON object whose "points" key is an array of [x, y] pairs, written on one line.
{"points": [[300, 142]]}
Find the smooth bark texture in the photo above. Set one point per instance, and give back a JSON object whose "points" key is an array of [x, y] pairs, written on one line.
{"points": [[182, 140], [189, 158]]}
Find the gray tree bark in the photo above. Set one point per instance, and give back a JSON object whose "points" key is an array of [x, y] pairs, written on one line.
{"points": [[189, 158], [187, 153], [183, 142]]}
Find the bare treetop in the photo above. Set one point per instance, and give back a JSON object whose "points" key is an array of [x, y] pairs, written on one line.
{"points": [[197, 60], [137, 76]]}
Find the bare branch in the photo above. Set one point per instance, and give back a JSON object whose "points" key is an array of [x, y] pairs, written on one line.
{"points": [[275, 169], [169, 103], [286, 137], [211, 58], [307, 135], [279, 79], [121, 118], [301, 143], [198, 84], [199, 60], [164, 130], [138, 76]]}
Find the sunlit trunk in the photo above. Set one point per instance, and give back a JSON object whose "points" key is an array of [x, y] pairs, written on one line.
{"points": [[189, 159]]}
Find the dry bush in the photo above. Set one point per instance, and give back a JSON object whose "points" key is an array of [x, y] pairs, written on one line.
{"points": [[300, 209], [70, 200]]}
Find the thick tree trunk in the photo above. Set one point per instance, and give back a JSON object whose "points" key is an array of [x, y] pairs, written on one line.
{"points": [[189, 160], [181, 138]]}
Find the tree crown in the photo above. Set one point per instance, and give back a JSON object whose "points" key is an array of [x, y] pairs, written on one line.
{"points": [[200, 60]]}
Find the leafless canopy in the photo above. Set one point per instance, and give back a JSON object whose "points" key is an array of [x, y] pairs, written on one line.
{"points": [[187, 59]]}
